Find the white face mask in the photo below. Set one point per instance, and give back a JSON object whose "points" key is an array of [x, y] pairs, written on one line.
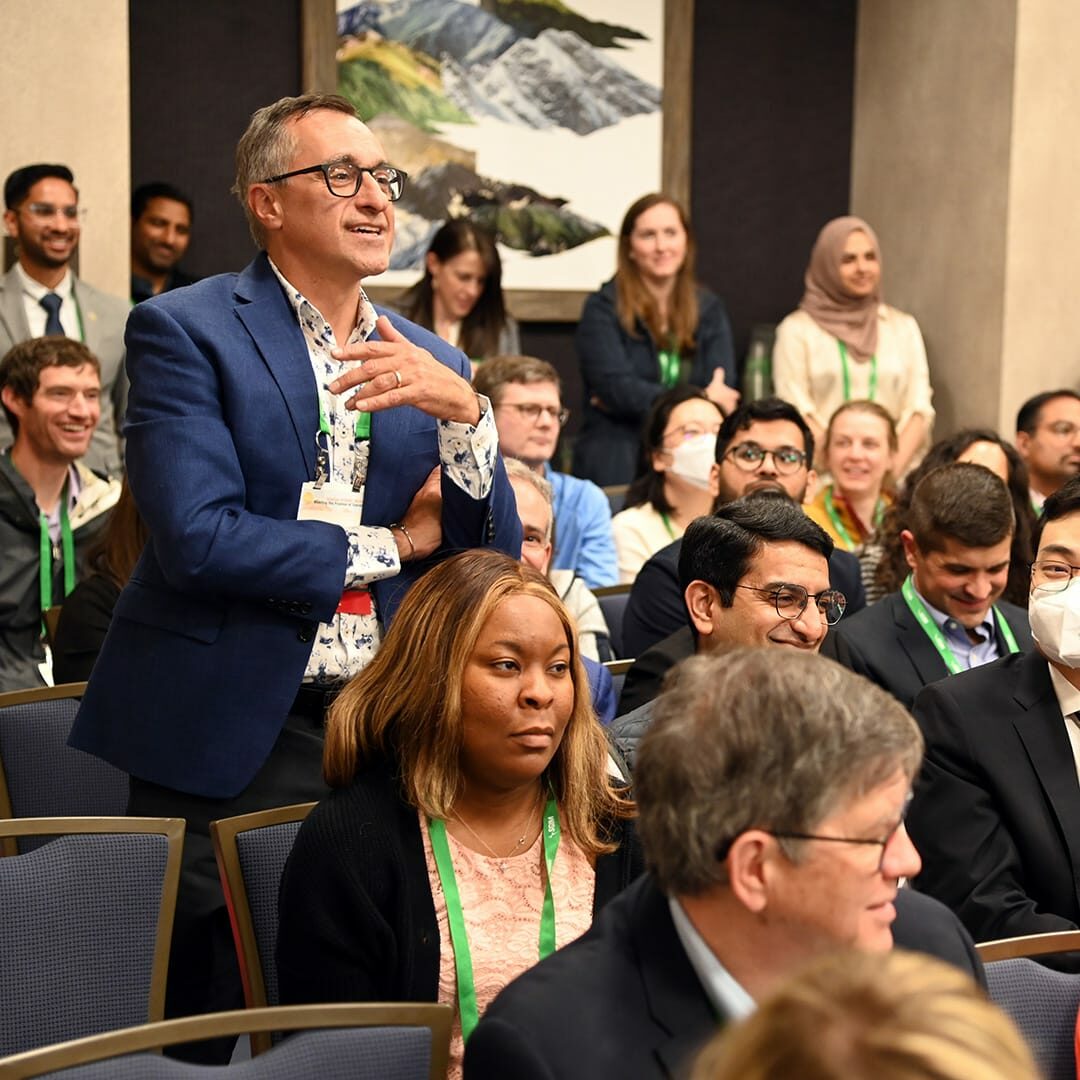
{"points": [[693, 460], [1055, 623]]}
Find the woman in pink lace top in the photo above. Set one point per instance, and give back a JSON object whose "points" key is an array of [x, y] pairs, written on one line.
{"points": [[474, 828]]}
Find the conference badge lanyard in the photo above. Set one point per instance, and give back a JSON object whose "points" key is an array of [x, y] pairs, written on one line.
{"points": [[872, 391], [324, 499], [459, 938], [670, 363], [937, 638], [67, 547], [837, 523]]}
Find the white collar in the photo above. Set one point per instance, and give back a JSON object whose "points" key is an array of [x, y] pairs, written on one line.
{"points": [[36, 290]]}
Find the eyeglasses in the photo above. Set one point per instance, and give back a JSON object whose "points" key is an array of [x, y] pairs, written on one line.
{"points": [[43, 211], [1052, 576], [688, 431], [343, 178], [532, 412], [791, 601], [883, 843], [748, 457]]}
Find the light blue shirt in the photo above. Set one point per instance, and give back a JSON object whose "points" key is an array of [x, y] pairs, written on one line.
{"points": [[583, 540], [970, 654]]}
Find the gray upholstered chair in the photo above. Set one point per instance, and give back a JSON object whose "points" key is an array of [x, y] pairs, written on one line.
{"points": [[251, 851], [618, 669], [40, 775], [85, 926], [353, 1042], [613, 600]]}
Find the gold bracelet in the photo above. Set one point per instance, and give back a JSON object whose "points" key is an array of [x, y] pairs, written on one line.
{"points": [[405, 533]]}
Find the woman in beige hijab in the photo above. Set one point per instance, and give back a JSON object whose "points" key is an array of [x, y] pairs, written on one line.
{"points": [[844, 343]]}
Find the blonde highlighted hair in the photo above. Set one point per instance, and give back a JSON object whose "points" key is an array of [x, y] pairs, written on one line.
{"points": [[406, 705]]}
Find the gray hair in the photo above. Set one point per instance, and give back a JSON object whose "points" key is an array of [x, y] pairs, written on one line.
{"points": [[267, 146], [518, 470], [759, 738]]}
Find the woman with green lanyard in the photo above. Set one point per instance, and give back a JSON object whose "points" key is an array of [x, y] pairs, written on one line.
{"points": [[474, 828], [860, 444], [844, 343], [677, 481]]}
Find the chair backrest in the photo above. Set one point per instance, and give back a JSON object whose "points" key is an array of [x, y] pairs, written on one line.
{"points": [[1043, 1004], [391, 1042], [613, 600], [616, 496], [85, 927], [618, 669], [40, 775], [1029, 945], [251, 852]]}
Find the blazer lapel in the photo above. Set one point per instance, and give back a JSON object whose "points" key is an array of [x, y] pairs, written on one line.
{"points": [[88, 317], [12, 311], [1041, 728], [916, 645], [264, 310]]}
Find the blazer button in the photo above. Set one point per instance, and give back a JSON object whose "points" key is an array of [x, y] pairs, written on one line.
{"points": [[306, 634]]}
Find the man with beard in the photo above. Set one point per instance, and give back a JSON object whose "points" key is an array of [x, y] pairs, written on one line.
{"points": [[41, 295], [160, 233], [1048, 438]]}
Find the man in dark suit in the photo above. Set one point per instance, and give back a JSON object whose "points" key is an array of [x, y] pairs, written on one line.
{"points": [[772, 834], [762, 446], [299, 458], [947, 618], [997, 807]]}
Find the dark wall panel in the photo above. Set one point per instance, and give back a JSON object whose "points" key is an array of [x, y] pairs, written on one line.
{"points": [[198, 71]]}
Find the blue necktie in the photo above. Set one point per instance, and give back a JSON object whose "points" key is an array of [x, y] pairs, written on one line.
{"points": [[51, 303]]}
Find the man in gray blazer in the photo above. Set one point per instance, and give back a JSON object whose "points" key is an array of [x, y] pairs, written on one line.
{"points": [[41, 295]]}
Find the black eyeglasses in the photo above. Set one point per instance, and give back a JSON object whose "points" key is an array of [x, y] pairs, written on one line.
{"points": [[749, 457], [532, 412], [343, 178], [791, 601]]}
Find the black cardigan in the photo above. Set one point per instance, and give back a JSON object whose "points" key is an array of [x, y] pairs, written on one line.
{"points": [[356, 915]]}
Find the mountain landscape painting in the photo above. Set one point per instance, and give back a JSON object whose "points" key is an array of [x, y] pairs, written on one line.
{"points": [[535, 118]]}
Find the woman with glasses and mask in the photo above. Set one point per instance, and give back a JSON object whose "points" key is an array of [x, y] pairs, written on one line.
{"points": [[845, 343], [677, 477], [652, 327], [460, 296]]}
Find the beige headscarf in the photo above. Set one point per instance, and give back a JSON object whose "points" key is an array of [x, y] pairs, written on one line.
{"points": [[851, 319]]}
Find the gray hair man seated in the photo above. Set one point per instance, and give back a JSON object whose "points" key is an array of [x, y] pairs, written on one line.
{"points": [[771, 788]]}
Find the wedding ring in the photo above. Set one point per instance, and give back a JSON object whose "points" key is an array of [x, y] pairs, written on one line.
{"points": [[398, 376]]}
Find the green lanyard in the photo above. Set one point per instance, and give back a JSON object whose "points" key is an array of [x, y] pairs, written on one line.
{"points": [[838, 525], [847, 374], [937, 638], [362, 427], [467, 1008], [670, 362], [67, 546], [667, 525]]}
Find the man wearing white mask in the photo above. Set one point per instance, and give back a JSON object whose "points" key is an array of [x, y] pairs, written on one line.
{"points": [[996, 813]]}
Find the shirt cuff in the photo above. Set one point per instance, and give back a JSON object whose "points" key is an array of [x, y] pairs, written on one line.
{"points": [[468, 452], [373, 555]]}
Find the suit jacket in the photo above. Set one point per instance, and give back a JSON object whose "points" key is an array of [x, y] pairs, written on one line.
{"points": [[655, 607], [624, 1000], [996, 814], [212, 635], [103, 319], [885, 643]]}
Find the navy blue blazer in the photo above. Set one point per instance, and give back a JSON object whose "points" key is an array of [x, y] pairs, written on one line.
{"points": [[211, 637]]}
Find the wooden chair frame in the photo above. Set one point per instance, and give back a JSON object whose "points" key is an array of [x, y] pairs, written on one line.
{"points": [[1028, 945], [224, 833], [619, 667], [27, 697], [173, 831], [154, 1036], [613, 590]]}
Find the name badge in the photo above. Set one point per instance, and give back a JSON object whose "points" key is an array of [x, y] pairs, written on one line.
{"points": [[337, 504]]}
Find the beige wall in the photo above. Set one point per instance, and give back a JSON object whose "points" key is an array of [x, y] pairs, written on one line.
{"points": [[65, 99]]}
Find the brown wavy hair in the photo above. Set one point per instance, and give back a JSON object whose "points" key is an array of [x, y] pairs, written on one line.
{"points": [[406, 705], [633, 301]]}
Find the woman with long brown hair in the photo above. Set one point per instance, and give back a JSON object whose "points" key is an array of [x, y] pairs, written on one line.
{"points": [[472, 816], [650, 328]]}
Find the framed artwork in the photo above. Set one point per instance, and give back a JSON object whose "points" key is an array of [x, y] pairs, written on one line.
{"points": [[541, 120]]}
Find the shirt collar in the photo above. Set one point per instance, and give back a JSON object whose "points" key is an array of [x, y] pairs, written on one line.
{"points": [[36, 290], [1068, 696], [947, 624], [725, 994], [314, 325]]}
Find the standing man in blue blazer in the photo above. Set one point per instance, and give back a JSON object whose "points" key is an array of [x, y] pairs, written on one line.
{"points": [[299, 458]]}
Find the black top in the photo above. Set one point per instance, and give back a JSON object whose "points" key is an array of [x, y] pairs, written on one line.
{"points": [[84, 622]]}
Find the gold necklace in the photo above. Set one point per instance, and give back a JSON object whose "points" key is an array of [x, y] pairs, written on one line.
{"points": [[517, 843]]}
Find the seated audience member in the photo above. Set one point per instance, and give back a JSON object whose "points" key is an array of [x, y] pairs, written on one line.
{"points": [[860, 444], [997, 807], [771, 793], [754, 573], [845, 342], [946, 617], [884, 562], [472, 817], [652, 327], [764, 446], [88, 610], [160, 233], [52, 507], [526, 396], [872, 1016], [460, 296], [675, 482], [1048, 438]]}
